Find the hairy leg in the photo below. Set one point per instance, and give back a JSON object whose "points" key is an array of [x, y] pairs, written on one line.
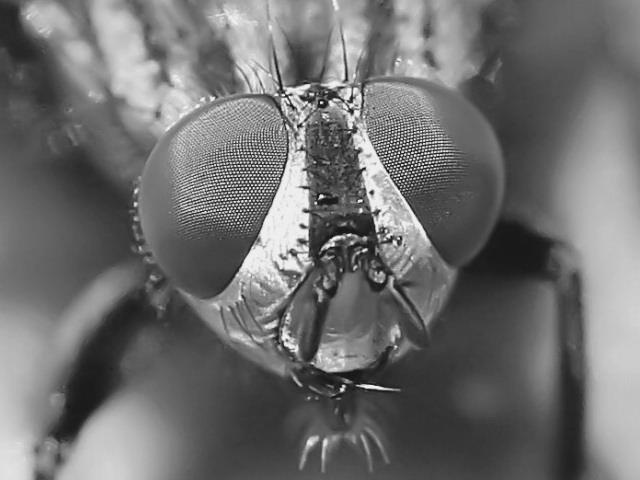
{"points": [[87, 357], [515, 249]]}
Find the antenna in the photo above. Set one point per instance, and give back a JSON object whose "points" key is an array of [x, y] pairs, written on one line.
{"points": [[336, 8], [356, 73], [274, 54], [244, 76], [325, 58], [256, 66], [276, 64]]}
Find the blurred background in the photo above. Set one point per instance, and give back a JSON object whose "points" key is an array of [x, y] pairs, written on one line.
{"points": [[567, 110]]}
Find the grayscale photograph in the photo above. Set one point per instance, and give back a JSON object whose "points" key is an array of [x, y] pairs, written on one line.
{"points": [[319, 239]]}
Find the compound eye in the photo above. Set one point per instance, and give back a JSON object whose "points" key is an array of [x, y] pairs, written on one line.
{"points": [[442, 155], [207, 187]]}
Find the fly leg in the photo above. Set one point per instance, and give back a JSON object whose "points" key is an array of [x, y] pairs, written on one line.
{"points": [[514, 249], [93, 340], [353, 419]]}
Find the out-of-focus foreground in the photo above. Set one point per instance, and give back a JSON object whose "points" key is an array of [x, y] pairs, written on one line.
{"points": [[571, 119]]}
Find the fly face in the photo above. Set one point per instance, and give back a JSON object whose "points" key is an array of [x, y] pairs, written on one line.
{"points": [[351, 312], [280, 221]]}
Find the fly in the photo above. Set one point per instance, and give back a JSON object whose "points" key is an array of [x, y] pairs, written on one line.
{"points": [[310, 188]]}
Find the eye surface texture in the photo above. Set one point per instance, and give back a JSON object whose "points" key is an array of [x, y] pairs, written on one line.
{"points": [[442, 155], [207, 187]]}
